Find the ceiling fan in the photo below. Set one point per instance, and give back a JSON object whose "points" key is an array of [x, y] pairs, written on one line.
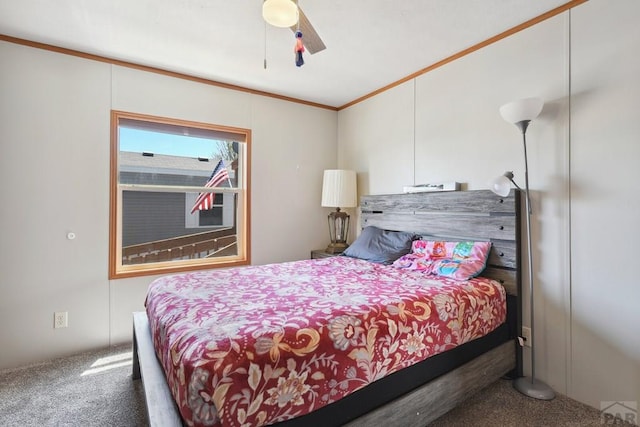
{"points": [[287, 13]]}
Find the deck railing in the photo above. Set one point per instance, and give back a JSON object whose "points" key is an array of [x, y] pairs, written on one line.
{"points": [[200, 245]]}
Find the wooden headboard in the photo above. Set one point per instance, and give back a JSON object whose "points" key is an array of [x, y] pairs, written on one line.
{"points": [[477, 215]]}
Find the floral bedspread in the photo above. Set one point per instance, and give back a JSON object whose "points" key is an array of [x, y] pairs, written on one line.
{"points": [[262, 344]]}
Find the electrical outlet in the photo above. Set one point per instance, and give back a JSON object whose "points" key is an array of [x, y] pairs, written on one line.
{"points": [[61, 319], [526, 335]]}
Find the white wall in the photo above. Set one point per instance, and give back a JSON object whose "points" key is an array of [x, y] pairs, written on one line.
{"points": [[445, 126], [54, 169], [54, 166], [605, 202], [376, 140]]}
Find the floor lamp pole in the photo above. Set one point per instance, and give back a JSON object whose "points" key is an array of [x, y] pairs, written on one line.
{"points": [[530, 386]]}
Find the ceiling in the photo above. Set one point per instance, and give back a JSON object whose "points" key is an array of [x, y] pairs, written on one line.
{"points": [[370, 44]]}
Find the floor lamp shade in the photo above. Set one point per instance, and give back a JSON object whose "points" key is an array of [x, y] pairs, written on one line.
{"points": [[338, 191], [502, 184], [521, 110]]}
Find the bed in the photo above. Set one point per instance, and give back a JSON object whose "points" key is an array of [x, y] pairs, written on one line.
{"points": [[414, 379]]}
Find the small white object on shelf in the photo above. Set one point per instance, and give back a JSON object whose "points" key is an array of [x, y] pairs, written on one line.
{"points": [[438, 186]]}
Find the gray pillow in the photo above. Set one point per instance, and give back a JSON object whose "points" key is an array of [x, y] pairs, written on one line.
{"points": [[380, 246]]}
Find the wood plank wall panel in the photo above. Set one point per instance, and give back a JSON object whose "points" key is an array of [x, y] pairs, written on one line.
{"points": [[458, 227], [478, 202], [504, 254], [457, 215]]}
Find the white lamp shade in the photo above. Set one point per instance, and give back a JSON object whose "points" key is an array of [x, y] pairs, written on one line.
{"points": [[280, 13], [522, 109], [339, 189], [501, 186]]}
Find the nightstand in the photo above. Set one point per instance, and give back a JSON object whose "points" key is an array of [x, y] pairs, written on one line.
{"points": [[321, 253]]}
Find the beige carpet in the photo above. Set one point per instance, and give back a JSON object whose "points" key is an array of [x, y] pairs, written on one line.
{"points": [[501, 405], [95, 389]]}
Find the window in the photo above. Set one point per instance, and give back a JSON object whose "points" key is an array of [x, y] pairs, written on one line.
{"points": [[179, 195], [221, 213]]}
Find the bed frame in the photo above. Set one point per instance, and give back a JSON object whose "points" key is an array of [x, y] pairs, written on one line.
{"points": [[458, 215]]}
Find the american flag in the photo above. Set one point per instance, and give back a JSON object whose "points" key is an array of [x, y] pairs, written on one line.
{"points": [[205, 200]]}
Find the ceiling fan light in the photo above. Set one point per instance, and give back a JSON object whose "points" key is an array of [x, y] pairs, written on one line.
{"points": [[280, 13]]}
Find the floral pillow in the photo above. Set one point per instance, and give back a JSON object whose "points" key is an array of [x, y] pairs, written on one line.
{"points": [[458, 260]]}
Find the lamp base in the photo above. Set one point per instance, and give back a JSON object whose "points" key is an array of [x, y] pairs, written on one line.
{"points": [[336, 248], [533, 388]]}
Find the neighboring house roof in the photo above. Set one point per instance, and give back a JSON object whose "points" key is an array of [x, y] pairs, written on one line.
{"points": [[161, 163]]}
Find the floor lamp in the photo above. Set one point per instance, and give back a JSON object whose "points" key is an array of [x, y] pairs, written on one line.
{"points": [[521, 113]]}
